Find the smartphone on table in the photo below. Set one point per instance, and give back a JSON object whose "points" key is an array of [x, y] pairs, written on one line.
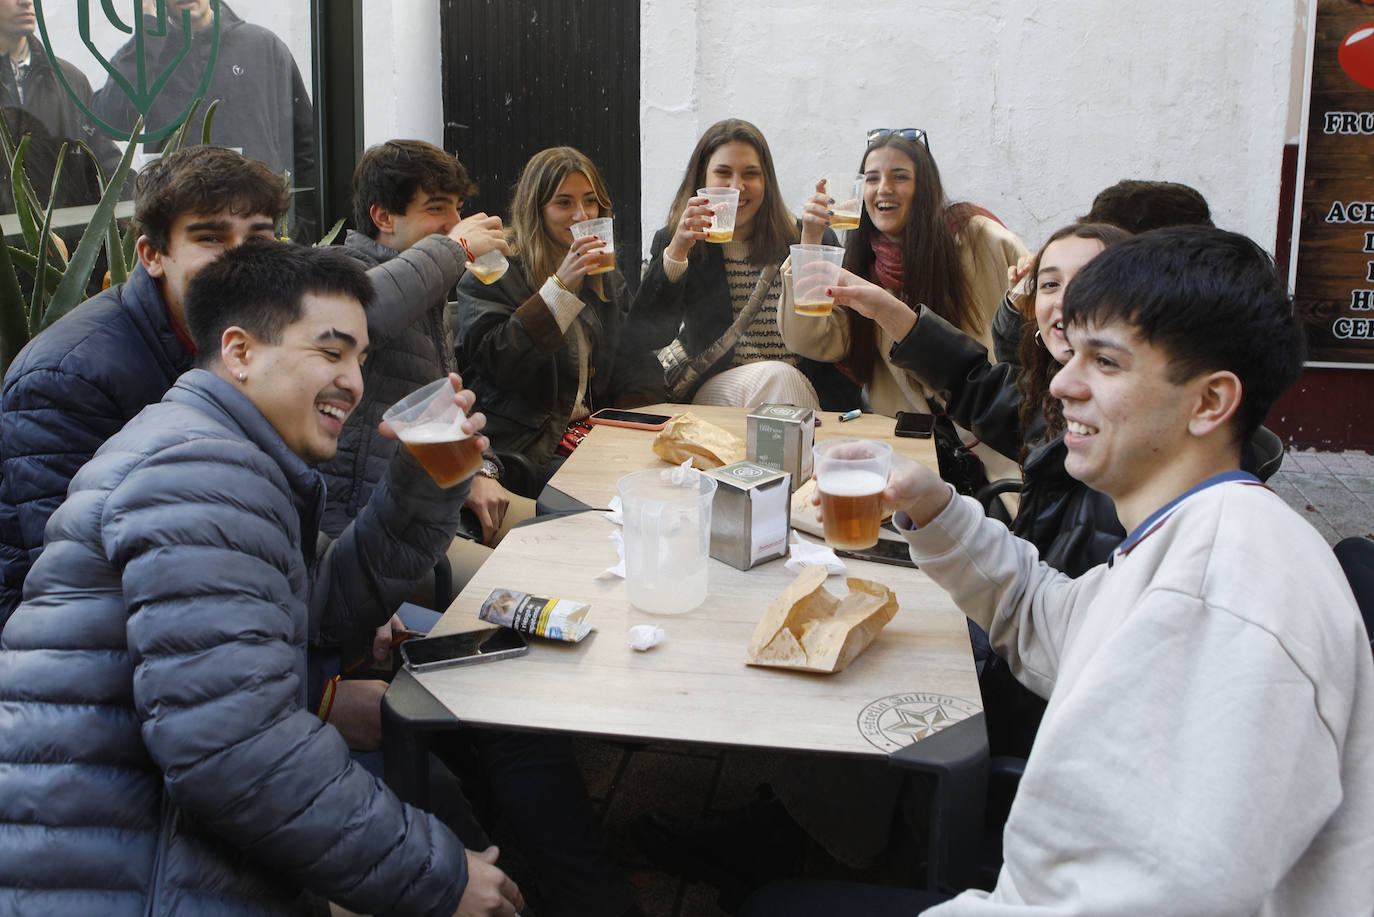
{"points": [[484, 645], [914, 424], [635, 420]]}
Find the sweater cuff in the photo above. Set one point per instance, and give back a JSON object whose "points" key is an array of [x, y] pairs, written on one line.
{"points": [[563, 305], [673, 270]]}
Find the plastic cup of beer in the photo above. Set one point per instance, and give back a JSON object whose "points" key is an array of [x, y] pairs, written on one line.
{"points": [[489, 268], [430, 426], [846, 190], [724, 202], [815, 269], [601, 228], [851, 475]]}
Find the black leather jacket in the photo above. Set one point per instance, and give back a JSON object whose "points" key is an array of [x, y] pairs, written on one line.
{"points": [[1074, 527]]}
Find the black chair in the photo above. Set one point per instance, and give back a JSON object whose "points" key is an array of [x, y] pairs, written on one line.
{"points": [[1356, 556]]}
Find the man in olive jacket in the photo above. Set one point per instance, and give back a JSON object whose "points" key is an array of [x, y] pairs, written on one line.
{"points": [[156, 755]]}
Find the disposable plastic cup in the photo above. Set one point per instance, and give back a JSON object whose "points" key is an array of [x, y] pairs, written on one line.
{"points": [[815, 269], [602, 229], [667, 538], [430, 426], [724, 203], [846, 190], [489, 268], [851, 475]]}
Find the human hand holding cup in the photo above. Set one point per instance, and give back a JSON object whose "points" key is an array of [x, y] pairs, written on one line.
{"points": [[851, 477], [815, 270], [846, 193], [602, 228], [724, 203], [434, 425]]}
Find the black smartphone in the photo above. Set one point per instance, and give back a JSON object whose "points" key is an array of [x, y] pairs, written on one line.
{"points": [[485, 645], [637, 420], [914, 424], [885, 551]]}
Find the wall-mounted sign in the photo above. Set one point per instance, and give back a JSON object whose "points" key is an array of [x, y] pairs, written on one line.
{"points": [[1333, 258]]}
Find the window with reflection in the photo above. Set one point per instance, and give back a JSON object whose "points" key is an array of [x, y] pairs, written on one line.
{"points": [[86, 69]]}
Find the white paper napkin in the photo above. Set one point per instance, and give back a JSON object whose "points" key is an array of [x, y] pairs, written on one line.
{"points": [[809, 554], [645, 637]]}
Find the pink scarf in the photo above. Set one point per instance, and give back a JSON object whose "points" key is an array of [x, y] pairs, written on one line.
{"points": [[887, 262]]}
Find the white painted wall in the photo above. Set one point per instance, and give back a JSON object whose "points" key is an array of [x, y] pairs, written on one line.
{"points": [[1032, 107], [402, 79]]}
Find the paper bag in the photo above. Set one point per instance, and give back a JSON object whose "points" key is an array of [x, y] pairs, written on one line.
{"points": [[687, 436], [808, 629]]}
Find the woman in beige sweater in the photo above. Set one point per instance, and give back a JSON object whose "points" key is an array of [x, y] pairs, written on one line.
{"points": [[950, 258]]}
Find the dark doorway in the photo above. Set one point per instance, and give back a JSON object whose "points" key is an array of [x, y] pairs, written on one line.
{"points": [[524, 75]]}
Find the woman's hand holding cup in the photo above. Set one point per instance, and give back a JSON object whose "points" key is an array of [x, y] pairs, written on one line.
{"points": [[815, 217], [584, 255], [691, 229]]}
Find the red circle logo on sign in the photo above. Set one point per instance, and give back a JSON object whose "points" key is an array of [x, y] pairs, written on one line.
{"points": [[1357, 55]]}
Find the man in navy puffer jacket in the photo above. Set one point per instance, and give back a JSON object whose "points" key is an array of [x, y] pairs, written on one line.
{"points": [[157, 756]]}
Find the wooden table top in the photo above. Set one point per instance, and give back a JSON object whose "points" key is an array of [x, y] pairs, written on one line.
{"points": [[608, 453], [695, 686]]}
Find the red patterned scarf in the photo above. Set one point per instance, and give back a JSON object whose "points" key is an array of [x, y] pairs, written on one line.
{"points": [[887, 262]]}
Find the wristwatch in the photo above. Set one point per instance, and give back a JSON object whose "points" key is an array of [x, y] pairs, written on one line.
{"points": [[489, 470]]}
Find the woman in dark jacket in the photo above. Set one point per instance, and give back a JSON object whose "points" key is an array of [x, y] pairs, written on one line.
{"points": [[1010, 409], [544, 346], [695, 290]]}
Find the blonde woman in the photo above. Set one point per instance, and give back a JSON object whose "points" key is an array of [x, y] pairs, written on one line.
{"points": [[542, 347]]}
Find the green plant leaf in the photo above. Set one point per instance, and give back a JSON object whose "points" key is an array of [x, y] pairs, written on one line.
{"points": [[29, 264], [209, 121], [179, 137], [72, 290], [14, 330], [329, 237], [23, 203]]}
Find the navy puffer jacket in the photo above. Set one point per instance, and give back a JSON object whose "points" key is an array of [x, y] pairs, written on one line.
{"points": [[70, 389], [155, 753]]}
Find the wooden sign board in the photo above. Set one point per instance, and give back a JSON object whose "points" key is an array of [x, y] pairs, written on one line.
{"points": [[1333, 258]]}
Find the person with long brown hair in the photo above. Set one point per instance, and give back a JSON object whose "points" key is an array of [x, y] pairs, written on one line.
{"points": [[695, 292], [950, 259], [543, 345]]}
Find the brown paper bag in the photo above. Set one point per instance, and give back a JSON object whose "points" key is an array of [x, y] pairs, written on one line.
{"points": [[808, 629], [687, 436]]}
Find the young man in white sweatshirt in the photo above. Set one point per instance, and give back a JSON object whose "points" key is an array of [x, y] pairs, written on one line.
{"points": [[1208, 747]]}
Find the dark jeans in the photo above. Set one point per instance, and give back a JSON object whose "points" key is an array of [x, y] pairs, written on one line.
{"points": [[527, 789], [806, 897]]}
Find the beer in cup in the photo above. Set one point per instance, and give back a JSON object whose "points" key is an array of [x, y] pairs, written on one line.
{"points": [[489, 268], [815, 269], [430, 426], [723, 203], [846, 191], [851, 475], [601, 228]]}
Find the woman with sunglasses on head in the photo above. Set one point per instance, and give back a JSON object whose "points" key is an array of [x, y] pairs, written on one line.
{"points": [[697, 298], [544, 345], [949, 258]]}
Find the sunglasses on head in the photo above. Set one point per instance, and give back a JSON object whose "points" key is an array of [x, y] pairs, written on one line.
{"points": [[909, 133]]}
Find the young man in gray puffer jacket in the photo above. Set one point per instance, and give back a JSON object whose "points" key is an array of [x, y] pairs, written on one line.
{"points": [[157, 755]]}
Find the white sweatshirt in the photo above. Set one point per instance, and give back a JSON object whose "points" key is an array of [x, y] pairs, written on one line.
{"points": [[1208, 747]]}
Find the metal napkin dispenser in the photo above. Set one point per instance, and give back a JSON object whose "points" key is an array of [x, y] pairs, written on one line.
{"points": [[751, 514], [781, 436]]}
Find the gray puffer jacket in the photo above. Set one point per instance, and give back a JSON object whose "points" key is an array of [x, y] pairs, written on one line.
{"points": [[155, 754], [409, 349]]}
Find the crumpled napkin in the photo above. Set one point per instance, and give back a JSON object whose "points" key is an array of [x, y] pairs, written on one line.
{"points": [[809, 554], [618, 568], [644, 637]]}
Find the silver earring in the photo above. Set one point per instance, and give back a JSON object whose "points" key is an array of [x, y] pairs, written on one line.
{"points": [[1038, 339], [243, 377]]}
